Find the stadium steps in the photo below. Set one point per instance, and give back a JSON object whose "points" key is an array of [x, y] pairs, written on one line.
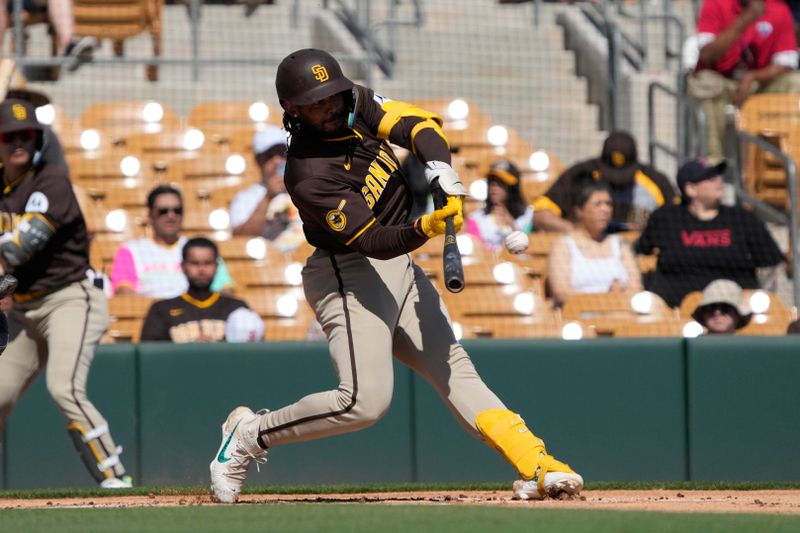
{"points": [[530, 86]]}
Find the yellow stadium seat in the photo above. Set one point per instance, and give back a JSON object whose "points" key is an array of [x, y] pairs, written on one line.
{"points": [[607, 312], [121, 118], [119, 20], [222, 118]]}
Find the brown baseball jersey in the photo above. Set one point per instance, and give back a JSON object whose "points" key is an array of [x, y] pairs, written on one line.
{"points": [[186, 319], [349, 190], [633, 202], [47, 192]]}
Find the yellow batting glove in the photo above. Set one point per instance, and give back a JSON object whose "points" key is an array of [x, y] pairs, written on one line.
{"points": [[433, 224]]}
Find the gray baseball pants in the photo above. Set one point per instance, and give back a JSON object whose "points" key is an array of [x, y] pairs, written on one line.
{"points": [[371, 310]]}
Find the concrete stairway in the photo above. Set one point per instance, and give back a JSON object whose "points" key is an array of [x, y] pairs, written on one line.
{"points": [[517, 73]]}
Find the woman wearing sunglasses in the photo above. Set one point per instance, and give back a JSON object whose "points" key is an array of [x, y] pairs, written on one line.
{"points": [[58, 315]]}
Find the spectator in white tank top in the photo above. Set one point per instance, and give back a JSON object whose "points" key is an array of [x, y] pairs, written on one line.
{"points": [[588, 259]]}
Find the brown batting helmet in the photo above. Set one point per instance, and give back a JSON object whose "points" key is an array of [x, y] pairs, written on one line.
{"points": [[20, 115], [309, 75]]}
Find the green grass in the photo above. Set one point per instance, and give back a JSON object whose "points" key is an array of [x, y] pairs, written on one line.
{"points": [[351, 518], [397, 487]]}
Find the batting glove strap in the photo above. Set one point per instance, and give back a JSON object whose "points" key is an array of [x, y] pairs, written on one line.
{"points": [[448, 178]]}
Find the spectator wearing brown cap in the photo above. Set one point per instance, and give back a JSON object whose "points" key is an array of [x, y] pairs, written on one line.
{"points": [[701, 240], [722, 310], [636, 189], [505, 209]]}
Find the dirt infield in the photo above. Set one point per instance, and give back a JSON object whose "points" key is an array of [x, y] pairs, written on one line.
{"points": [[717, 501]]}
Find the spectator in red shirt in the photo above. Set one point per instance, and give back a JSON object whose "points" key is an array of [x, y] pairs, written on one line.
{"points": [[746, 46]]}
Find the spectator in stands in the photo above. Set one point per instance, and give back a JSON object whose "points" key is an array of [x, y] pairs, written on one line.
{"points": [[152, 266], [588, 259], [74, 49], [702, 240], [505, 210], [636, 189], [722, 311], [265, 208], [200, 314], [794, 328], [746, 46]]}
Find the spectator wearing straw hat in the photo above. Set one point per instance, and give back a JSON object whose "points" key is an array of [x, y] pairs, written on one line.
{"points": [[722, 310]]}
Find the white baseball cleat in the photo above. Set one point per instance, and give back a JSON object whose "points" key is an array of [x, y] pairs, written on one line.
{"points": [[229, 466], [124, 482], [555, 485]]}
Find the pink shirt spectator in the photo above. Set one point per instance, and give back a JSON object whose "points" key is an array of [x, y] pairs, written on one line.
{"points": [[770, 41]]}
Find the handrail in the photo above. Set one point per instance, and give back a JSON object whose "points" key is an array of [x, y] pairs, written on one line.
{"points": [[791, 182], [667, 18], [359, 23], [688, 143]]}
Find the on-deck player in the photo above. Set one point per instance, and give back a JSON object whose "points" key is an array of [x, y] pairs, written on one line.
{"points": [[58, 314], [372, 301]]}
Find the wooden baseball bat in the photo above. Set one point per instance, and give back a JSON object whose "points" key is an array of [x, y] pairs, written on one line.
{"points": [[451, 257]]}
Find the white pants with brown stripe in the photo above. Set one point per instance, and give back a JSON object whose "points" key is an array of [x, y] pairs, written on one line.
{"points": [[372, 310], [59, 332]]}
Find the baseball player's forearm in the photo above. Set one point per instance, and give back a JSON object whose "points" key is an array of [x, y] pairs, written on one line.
{"points": [[386, 242]]}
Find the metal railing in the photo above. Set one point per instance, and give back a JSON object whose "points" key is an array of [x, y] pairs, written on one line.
{"points": [[744, 138], [689, 141], [358, 20], [196, 61]]}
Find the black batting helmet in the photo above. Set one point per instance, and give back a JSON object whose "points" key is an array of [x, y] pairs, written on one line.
{"points": [[309, 75]]}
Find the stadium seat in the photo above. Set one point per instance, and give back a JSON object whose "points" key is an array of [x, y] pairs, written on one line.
{"points": [[122, 118], [287, 329], [497, 300], [663, 328], [106, 170], [101, 253], [126, 312], [119, 20], [277, 302], [776, 119], [278, 272], [209, 171], [607, 312], [513, 328], [220, 119], [164, 147]]}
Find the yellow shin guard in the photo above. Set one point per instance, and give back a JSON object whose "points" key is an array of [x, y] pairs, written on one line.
{"points": [[507, 433]]}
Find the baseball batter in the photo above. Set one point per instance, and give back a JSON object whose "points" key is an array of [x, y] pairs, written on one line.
{"points": [[372, 301], [58, 315]]}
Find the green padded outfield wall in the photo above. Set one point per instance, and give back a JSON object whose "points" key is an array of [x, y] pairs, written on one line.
{"points": [[614, 409], [40, 453], [744, 415], [611, 409], [187, 391]]}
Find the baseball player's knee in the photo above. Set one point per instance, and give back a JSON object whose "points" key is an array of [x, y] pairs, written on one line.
{"points": [[64, 394], [372, 403]]}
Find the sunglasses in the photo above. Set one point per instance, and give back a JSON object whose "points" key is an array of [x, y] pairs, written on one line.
{"points": [[722, 308], [24, 135], [162, 211]]}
